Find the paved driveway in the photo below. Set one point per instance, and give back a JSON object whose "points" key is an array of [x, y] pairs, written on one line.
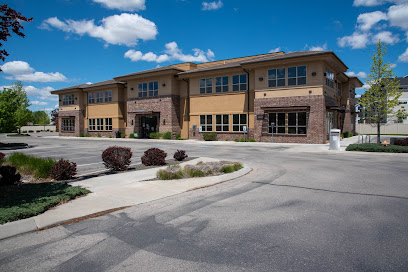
{"points": [[296, 211]]}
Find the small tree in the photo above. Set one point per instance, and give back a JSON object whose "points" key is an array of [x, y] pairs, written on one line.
{"points": [[10, 20], [41, 118], [379, 101], [401, 115]]}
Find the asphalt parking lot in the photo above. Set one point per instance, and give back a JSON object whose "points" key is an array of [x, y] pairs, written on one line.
{"points": [[296, 211]]}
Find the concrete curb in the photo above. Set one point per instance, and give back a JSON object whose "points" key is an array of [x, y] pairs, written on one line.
{"points": [[165, 188]]}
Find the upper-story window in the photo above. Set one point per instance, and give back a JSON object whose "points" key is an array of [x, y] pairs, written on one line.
{"points": [[330, 79], [91, 98], [108, 96], [68, 99], [148, 89], [352, 93], [154, 88], [205, 85], [239, 82], [339, 88], [277, 77], [297, 75], [99, 97], [221, 84]]}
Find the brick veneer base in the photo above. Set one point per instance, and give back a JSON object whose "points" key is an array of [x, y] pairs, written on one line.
{"points": [[79, 122]]}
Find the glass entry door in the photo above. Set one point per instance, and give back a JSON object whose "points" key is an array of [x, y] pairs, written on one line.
{"points": [[149, 125]]}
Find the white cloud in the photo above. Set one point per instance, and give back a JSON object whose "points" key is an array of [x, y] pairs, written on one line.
{"points": [[386, 37], [398, 15], [127, 5], [371, 3], [317, 48], [403, 57], [212, 5], [172, 52], [356, 40], [393, 65], [277, 49], [123, 29], [41, 93], [39, 103], [359, 74], [21, 70], [367, 20]]}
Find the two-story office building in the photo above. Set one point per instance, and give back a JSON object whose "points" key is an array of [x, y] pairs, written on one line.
{"points": [[297, 97]]}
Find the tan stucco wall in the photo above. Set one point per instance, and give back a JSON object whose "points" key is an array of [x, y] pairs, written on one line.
{"points": [[168, 80]]}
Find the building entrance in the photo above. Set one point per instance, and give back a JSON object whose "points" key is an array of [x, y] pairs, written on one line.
{"points": [[148, 125]]}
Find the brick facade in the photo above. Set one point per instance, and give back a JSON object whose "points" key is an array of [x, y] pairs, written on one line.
{"points": [[316, 119], [166, 108], [79, 122]]}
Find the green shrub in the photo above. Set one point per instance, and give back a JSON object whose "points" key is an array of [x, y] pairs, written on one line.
{"points": [[117, 158], [229, 168], [167, 135], [30, 165], [347, 134], [194, 173], [252, 140], [171, 172], [210, 136], [63, 170], [155, 135], [99, 135], [122, 134], [81, 134], [236, 140], [154, 156], [88, 134], [131, 135], [178, 136], [377, 148]]}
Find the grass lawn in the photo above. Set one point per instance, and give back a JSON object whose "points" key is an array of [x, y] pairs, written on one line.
{"points": [[30, 165], [27, 200], [377, 148]]}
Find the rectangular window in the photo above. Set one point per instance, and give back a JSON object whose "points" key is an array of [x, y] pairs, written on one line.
{"points": [[221, 84], [239, 83], [99, 124], [142, 89], [108, 123], [330, 79], [222, 122], [91, 126], [68, 125], [91, 98], [154, 88], [238, 122], [68, 99], [206, 122], [277, 78], [99, 97], [108, 96], [297, 75], [205, 85], [278, 119], [339, 88]]}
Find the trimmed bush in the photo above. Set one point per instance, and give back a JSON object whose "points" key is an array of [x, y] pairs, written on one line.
{"points": [[132, 135], [9, 176], [180, 155], [401, 142], [123, 134], [117, 158], [155, 135], [377, 148], [178, 136], [210, 136], [154, 156], [63, 170], [252, 140], [347, 134], [167, 135]]}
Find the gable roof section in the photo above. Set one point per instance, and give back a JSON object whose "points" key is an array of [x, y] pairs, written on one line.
{"points": [[160, 69]]}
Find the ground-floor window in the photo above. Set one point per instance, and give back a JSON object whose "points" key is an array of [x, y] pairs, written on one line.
{"points": [[108, 123], [288, 122], [206, 122], [91, 124], [222, 122], [238, 122], [68, 125], [100, 124]]}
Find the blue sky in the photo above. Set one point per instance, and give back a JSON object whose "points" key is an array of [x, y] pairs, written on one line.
{"points": [[72, 42]]}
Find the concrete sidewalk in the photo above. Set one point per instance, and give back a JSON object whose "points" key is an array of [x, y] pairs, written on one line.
{"points": [[116, 191]]}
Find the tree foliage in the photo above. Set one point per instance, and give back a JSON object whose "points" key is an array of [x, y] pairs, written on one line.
{"points": [[40, 118], [14, 112], [10, 20], [379, 101]]}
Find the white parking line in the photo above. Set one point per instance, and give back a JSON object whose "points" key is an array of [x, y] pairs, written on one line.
{"points": [[89, 164]]}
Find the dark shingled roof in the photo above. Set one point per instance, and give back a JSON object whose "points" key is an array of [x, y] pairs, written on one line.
{"points": [[159, 69], [403, 80], [267, 57], [86, 85]]}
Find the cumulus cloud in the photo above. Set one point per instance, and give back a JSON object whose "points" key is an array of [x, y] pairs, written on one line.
{"points": [[317, 47], [124, 29], [359, 74], [371, 3], [172, 52], [21, 70], [277, 49], [386, 37], [212, 5], [398, 15], [41, 93], [366, 21], [38, 103], [356, 41], [126, 5], [403, 57]]}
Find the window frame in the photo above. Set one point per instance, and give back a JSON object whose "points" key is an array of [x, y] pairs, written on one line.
{"points": [[91, 124], [99, 124], [240, 125], [222, 86], [153, 88], [240, 85], [287, 126], [142, 90], [329, 79], [221, 126], [108, 124], [297, 77], [99, 97], [91, 98], [277, 79], [108, 96], [68, 125], [206, 85], [206, 125], [68, 99]]}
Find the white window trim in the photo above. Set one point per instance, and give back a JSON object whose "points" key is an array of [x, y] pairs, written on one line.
{"points": [[222, 124]]}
